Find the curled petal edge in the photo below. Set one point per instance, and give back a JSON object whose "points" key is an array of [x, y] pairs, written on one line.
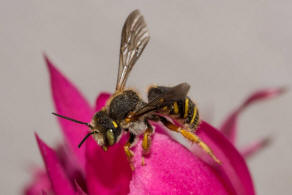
{"points": [[255, 147], [229, 126]]}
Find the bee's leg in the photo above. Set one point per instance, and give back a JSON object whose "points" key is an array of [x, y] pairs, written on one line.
{"points": [[190, 136], [129, 153], [146, 143]]}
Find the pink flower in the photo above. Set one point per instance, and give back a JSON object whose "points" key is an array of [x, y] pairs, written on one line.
{"points": [[170, 169]]}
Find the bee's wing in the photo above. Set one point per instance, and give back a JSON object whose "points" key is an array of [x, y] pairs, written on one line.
{"points": [[175, 93], [135, 37]]}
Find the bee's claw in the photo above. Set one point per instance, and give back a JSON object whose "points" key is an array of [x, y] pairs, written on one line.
{"points": [[132, 166], [143, 161], [104, 148]]}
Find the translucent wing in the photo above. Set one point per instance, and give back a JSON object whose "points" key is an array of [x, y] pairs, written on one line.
{"points": [[175, 93], [135, 37]]}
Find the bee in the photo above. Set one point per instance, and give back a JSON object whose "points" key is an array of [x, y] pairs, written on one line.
{"points": [[126, 112]]}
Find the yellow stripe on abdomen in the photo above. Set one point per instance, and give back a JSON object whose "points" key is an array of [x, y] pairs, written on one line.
{"points": [[186, 107]]}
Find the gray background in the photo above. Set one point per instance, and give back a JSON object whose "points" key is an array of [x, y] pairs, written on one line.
{"points": [[225, 49]]}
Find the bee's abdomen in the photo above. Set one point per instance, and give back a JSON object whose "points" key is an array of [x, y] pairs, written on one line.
{"points": [[184, 109]]}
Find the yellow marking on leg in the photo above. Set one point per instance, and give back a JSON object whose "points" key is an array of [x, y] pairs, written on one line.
{"points": [[194, 114], [146, 142], [186, 107], [191, 137], [143, 161], [129, 118], [171, 126], [194, 138], [129, 153], [175, 107], [115, 124]]}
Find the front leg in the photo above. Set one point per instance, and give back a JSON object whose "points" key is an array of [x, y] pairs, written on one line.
{"points": [[129, 153]]}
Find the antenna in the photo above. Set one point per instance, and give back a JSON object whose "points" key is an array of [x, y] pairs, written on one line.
{"points": [[74, 120], [85, 138]]}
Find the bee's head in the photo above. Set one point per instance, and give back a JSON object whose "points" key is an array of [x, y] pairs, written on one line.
{"points": [[105, 131]]}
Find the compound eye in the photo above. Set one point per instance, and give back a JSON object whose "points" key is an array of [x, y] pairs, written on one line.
{"points": [[110, 137]]}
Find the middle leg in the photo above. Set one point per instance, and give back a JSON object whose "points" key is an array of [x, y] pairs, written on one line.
{"points": [[146, 143], [129, 153]]}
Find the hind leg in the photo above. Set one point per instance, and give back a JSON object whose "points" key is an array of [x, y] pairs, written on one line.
{"points": [[191, 137]]}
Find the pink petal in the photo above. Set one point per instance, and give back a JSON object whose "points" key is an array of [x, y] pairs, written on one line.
{"points": [[70, 166], [40, 183], [229, 127], [101, 100], [234, 166], [264, 94], [79, 189], [58, 178], [70, 102], [107, 172], [255, 147], [172, 169]]}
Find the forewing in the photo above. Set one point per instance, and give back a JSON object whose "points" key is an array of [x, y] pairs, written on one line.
{"points": [[175, 93], [135, 37]]}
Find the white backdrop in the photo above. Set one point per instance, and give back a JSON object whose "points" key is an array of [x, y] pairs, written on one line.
{"points": [[225, 49]]}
